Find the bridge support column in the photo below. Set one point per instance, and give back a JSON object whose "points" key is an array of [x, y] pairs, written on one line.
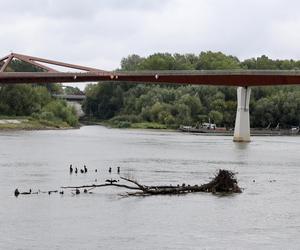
{"points": [[242, 120]]}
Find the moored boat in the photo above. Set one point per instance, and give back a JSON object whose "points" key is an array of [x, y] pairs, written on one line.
{"points": [[253, 131]]}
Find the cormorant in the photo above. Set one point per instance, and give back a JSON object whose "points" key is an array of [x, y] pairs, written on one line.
{"points": [[118, 170], [76, 170], [71, 169], [17, 192], [109, 170], [81, 171], [111, 181], [85, 169]]}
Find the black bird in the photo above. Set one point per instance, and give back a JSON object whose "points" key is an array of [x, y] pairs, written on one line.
{"points": [[71, 169], [81, 171], [111, 181], [85, 169], [109, 170], [61, 192], [17, 192], [76, 170], [96, 170], [118, 170], [77, 191]]}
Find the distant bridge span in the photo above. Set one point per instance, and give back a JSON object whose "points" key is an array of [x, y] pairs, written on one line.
{"points": [[244, 79]]}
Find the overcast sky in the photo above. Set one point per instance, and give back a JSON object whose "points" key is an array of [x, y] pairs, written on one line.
{"points": [[99, 33]]}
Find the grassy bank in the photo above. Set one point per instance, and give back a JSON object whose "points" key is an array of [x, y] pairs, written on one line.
{"points": [[126, 124], [29, 123]]}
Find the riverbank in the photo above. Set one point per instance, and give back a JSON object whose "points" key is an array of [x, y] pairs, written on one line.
{"points": [[29, 123], [125, 124]]}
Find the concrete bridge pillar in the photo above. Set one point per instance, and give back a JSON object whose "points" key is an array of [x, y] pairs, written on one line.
{"points": [[242, 121]]}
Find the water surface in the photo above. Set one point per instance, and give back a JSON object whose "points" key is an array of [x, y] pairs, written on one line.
{"points": [[265, 216]]}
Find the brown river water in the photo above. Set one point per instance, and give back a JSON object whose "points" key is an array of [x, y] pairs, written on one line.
{"points": [[265, 216]]}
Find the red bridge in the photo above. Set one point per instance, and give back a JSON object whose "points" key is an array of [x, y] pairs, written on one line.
{"points": [[242, 78]]}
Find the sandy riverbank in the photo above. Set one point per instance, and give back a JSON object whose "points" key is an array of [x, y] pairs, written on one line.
{"points": [[31, 124]]}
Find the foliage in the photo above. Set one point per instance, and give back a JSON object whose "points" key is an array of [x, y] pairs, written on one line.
{"points": [[19, 100], [129, 104], [58, 110], [27, 100], [35, 100], [68, 90], [173, 105]]}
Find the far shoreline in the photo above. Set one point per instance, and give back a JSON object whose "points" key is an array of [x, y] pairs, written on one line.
{"points": [[30, 124]]}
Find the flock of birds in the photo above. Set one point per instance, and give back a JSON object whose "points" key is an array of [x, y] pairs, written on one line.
{"points": [[71, 170], [85, 170]]}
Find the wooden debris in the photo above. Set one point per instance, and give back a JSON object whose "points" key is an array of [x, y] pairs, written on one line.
{"points": [[223, 182]]}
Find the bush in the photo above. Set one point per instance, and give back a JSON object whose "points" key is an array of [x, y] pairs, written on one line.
{"points": [[126, 118], [124, 125], [47, 116], [59, 110]]}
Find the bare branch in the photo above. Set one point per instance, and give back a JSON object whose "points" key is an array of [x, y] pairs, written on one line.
{"points": [[101, 185]]}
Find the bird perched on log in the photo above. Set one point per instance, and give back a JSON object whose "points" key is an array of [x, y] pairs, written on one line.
{"points": [[111, 181], [76, 170], [71, 169], [118, 170], [85, 168], [81, 171], [109, 170], [17, 192]]}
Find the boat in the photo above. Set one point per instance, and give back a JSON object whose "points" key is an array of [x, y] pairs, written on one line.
{"points": [[207, 130], [253, 131]]}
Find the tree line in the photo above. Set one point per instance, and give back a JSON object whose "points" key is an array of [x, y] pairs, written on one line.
{"points": [[172, 105], [124, 104], [35, 100]]}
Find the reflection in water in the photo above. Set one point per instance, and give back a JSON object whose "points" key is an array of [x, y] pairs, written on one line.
{"points": [[241, 145], [265, 216]]}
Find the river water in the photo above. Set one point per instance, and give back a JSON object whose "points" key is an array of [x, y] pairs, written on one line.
{"points": [[265, 216]]}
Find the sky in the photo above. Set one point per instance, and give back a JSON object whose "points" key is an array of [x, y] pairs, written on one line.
{"points": [[99, 33]]}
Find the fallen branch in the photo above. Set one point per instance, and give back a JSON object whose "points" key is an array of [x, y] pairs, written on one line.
{"points": [[223, 182], [100, 185]]}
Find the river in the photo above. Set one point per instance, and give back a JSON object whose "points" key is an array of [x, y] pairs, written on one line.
{"points": [[265, 216]]}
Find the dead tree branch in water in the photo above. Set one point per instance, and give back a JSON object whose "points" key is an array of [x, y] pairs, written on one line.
{"points": [[223, 182], [101, 185]]}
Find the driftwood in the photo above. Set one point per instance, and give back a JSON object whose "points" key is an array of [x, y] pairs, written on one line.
{"points": [[223, 182]]}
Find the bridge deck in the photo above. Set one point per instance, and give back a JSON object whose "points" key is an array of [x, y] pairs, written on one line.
{"points": [[203, 77]]}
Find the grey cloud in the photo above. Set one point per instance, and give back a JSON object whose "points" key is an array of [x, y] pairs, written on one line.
{"points": [[75, 9], [99, 33]]}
